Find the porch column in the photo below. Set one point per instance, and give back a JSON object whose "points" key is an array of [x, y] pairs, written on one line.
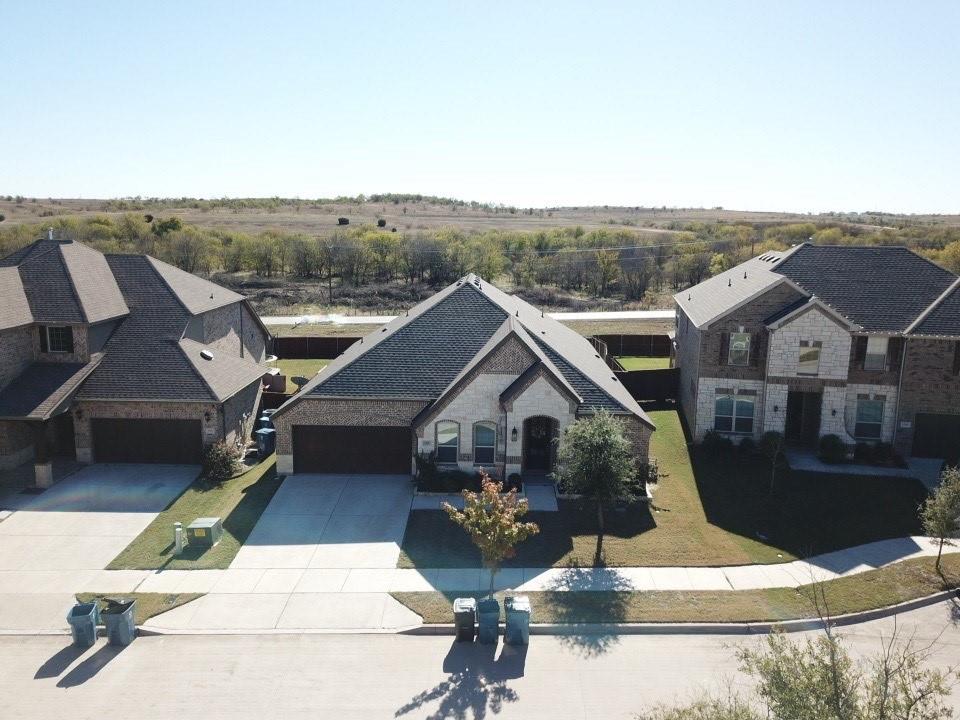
{"points": [[43, 468]]}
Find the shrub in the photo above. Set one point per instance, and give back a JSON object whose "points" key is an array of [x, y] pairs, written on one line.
{"points": [[426, 475], [864, 453], [514, 482], [832, 449], [747, 445], [220, 463], [883, 453], [649, 473], [715, 443]]}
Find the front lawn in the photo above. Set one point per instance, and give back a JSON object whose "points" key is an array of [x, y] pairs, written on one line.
{"points": [[705, 511], [874, 589], [148, 604], [239, 501], [644, 362]]}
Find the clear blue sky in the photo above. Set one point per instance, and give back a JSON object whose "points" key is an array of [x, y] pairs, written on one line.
{"points": [[768, 105]]}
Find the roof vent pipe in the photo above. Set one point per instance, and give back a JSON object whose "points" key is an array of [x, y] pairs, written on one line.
{"points": [[730, 283], [206, 355], [49, 233]]}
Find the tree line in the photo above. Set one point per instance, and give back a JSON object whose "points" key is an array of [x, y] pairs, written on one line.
{"points": [[607, 262]]}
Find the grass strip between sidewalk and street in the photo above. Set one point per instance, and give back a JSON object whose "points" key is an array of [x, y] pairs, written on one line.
{"points": [[239, 502], [148, 604], [870, 590]]}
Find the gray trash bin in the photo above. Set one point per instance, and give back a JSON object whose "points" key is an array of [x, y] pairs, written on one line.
{"points": [[266, 439], [517, 610], [488, 625], [83, 619], [465, 618], [118, 616]]}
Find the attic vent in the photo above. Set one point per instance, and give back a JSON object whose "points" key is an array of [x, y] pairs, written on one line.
{"points": [[730, 283], [206, 355]]}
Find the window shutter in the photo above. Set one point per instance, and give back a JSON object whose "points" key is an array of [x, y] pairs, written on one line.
{"points": [[43, 338], [757, 348], [724, 348], [859, 352], [894, 353]]}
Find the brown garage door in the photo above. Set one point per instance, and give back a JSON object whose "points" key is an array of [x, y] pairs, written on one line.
{"points": [[338, 449], [937, 436], [147, 441]]}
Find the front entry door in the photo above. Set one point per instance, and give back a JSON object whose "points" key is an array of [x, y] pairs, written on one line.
{"points": [[803, 417], [538, 444]]}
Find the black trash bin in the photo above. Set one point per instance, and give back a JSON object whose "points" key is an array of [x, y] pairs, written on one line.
{"points": [[83, 619], [488, 621], [118, 617], [465, 618], [517, 631]]}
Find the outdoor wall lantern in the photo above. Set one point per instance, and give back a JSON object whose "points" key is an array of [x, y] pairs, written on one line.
{"points": [[513, 435], [776, 408], [79, 414], [206, 416], [834, 412]]}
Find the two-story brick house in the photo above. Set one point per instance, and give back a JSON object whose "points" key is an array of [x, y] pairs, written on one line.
{"points": [[860, 342], [120, 358]]}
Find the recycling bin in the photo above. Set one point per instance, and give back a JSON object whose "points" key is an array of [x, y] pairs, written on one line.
{"points": [[488, 625], [118, 617], [83, 619], [465, 618], [266, 441], [517, 630]]}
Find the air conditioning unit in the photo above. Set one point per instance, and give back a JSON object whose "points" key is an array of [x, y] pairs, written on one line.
{"points": [[205, 532]]}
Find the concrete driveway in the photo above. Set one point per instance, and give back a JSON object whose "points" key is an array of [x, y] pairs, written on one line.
{"points": [[58, 541], [310, 560]]}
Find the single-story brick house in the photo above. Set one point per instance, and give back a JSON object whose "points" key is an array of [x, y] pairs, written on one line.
{"points": [[479, 377], [120, 358]]}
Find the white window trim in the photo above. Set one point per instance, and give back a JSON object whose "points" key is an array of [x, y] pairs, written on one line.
{"points": [[810, 344], [882, 399], [730, 360], [50, 350], [736, 395], [876, 339]]}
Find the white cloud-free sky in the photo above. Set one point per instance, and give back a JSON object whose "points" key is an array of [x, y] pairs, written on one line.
{"points": [[805, 106]]}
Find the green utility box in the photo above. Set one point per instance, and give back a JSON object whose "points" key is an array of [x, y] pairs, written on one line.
{"points": [[205, 532]]}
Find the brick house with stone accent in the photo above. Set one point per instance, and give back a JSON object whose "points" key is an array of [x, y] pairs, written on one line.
{"points": [[476, 376], [859, 342], [120, 358]]}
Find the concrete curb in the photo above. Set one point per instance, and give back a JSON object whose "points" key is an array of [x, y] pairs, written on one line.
{"points": [[753, 628]]}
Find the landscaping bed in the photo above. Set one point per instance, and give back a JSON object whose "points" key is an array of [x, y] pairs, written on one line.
{"points": [[238, 501], [866, 591], [705, 510]]}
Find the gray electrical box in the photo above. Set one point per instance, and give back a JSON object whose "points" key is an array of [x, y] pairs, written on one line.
{"points": [[205, 532]]}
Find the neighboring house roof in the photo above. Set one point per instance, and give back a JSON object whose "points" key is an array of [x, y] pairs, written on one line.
{"points": [[14, 308], [874, 289], [880, 288], [422, 355], [66, 282], [43, 389], [197, 295], [723, 293]]}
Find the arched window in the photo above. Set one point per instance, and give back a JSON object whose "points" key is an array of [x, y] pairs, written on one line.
{"points": [[484, 442], [448, 441]]}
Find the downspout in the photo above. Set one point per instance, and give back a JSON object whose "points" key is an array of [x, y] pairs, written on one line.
{"points": [[240, 310]]}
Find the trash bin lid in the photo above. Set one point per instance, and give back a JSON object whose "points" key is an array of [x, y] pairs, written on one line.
{"points": [[82, 609], [265, 432], [115, 606], [464, 604], [489, 605], [517, 602]]}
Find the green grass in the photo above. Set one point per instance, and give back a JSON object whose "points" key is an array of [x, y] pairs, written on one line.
{"points": [[874, 589], [644, 363], [302, 368], [148, 604], [239, 501], [705, 511]]}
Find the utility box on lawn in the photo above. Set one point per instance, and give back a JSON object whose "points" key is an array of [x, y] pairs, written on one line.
{"points": [[205, 532]]}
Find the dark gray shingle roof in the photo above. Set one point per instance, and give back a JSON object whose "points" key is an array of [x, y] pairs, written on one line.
{"points": [[43, 388], [943, 318], [882, 289]]}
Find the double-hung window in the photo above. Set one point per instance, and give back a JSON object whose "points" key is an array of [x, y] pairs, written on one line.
{"points": [[733, 412], [739, 351], [809, 361], [448, 441], [876, 357], [484, 443], [56, 339], [869, 417]]}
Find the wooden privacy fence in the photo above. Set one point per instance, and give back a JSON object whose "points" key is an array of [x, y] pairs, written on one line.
{"points": [[659, 385], [651, 345], [308, 347]]}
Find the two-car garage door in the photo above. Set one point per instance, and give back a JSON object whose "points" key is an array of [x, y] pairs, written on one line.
{"points": [[937, 436], [147, 441], [352, 449]]}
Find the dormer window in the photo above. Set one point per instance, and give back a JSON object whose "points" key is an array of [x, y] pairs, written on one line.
{"points": [[56, 339]]}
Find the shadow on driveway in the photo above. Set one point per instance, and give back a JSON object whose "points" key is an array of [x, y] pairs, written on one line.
{"points": [[90, 667]]}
